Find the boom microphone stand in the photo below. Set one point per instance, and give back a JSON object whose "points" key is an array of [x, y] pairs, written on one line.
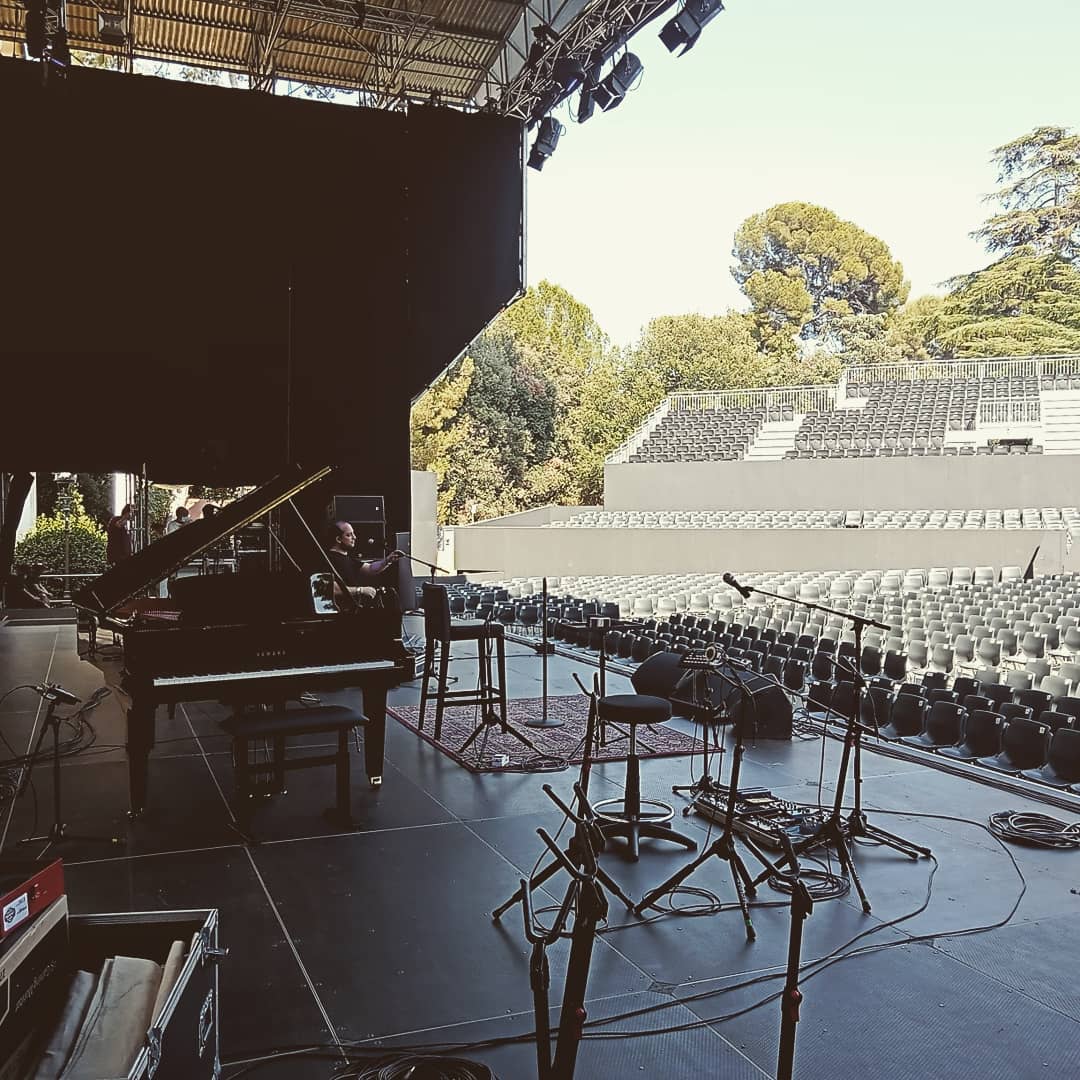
{"points": [[57, 834], [724, 845], [836, 829]]}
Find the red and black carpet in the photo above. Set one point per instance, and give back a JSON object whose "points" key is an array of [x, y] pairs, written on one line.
{"points": [[495, 751]]}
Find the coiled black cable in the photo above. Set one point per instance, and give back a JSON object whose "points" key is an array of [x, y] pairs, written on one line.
{"points": [[1038, 830]]}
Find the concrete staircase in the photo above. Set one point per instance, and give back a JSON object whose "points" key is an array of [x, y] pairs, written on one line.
{"points": [[1061, 421], [773, 439]]}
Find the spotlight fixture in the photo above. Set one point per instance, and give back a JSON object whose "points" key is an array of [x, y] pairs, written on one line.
{"points": [[112, 28], [683, 31], [618, 81], [36, 37], [546, 102], [586, 104], [568, 73], [547, 139]]}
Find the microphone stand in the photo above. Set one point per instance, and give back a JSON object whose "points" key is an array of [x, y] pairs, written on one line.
{"points": [[543, 720], [58, 833], [724, 846], [802, 905], [836, 829]]}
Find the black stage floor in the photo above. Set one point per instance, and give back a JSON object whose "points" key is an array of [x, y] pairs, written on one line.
{"points": [[385, 934]]}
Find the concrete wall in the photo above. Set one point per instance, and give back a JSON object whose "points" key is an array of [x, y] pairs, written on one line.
{"points": [[847, 484], [542, 515], [424, 516], [533, 552]]}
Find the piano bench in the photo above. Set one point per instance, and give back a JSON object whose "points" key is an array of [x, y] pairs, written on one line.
{"points": [[277, 727]]}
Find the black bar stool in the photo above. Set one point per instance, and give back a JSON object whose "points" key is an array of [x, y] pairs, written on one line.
{"points": [[632, 817], [439, 629]]}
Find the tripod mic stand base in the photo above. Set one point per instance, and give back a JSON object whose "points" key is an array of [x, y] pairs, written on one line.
{"points": [[58, 834], [857, 826]]}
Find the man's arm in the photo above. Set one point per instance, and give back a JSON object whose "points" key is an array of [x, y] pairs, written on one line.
{"points": [[372, 569]]}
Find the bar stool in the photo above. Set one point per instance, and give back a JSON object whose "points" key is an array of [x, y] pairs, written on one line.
{"points": [[632, 817], [439, 629]]}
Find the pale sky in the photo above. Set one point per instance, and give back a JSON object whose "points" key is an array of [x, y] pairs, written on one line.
{"points": [[884, 112]]}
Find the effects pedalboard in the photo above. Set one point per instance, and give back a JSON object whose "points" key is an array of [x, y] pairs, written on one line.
{"points": [[760, 815]]}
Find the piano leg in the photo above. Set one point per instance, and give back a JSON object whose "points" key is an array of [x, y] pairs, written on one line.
{"points": [[374, 731], [140, 741]]}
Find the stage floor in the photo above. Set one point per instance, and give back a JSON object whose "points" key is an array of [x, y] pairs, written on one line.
{"points": [[386, 933]]}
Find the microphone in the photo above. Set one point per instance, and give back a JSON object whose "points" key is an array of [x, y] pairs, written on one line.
{"points": [[55, 692], [742, 590]]}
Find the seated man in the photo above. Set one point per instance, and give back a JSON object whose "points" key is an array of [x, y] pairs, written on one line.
{"points": [[341, 540]]}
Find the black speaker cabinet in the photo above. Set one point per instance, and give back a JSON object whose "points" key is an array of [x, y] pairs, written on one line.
{"points": [[370, 538], [764, 713], [356, 508]]}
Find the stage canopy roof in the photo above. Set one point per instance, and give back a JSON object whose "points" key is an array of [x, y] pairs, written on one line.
{"points": [[473, 54]]}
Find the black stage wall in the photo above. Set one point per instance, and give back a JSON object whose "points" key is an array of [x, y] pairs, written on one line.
{"points": [[187, 268]]}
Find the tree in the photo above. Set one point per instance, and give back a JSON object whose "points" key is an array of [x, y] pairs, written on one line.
{"points": [[800, 266], [83, 536], [1021, 305], [1039, 174], [699, 352], [557, 334], [914, 329]]}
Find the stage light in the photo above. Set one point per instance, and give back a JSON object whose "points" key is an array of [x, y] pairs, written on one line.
{"points": [[686, 27], [547, 139], [112, 28], [59, 53], [545, 104], [586, 105], [568, 73], [619, 80], [36, 38]]}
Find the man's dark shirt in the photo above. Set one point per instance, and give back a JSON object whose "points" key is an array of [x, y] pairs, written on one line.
{"points": [[348, 567]]}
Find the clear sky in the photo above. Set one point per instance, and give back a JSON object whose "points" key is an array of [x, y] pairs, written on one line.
{"points": [[884, 112]]}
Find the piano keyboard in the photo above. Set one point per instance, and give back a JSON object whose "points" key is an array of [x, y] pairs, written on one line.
{"points": [[272, 673]]}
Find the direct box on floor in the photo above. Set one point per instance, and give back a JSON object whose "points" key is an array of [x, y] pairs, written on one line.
{"points": [[38, 966]]}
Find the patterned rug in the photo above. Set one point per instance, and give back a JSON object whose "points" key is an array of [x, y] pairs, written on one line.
{"points": [[493, 751]]}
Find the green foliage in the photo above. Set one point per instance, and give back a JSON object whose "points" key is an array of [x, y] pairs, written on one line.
{"points": [[161, 504], [915, 327], [801, 265], [219, 495], [94, 488], [863, 339], [1021, 305], [1039, 174], [45, 543]]}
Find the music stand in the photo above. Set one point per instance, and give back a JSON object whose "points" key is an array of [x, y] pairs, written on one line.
{"points": [[836, 829]]}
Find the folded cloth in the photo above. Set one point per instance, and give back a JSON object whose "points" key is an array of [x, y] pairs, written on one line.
{"points": [[62, 1038], [169, 974], [117, 1020]]}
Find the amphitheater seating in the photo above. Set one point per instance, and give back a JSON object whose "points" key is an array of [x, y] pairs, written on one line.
{"points": [[1067, 517], [989, 711], [701, 435]]}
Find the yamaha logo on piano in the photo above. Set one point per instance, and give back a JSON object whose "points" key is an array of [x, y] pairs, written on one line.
{"points": [[270, 654]]}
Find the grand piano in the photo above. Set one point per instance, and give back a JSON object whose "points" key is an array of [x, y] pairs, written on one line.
{"points": [[239, 638]]}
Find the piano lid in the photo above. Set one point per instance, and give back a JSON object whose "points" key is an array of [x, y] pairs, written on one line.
{"points": [[167, 554]]}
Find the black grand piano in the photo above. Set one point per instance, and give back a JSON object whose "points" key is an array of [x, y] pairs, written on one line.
{"points": [[238, 638]]}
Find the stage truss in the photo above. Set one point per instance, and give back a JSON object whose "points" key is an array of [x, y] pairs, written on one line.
{"points": [[469, 54]]}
